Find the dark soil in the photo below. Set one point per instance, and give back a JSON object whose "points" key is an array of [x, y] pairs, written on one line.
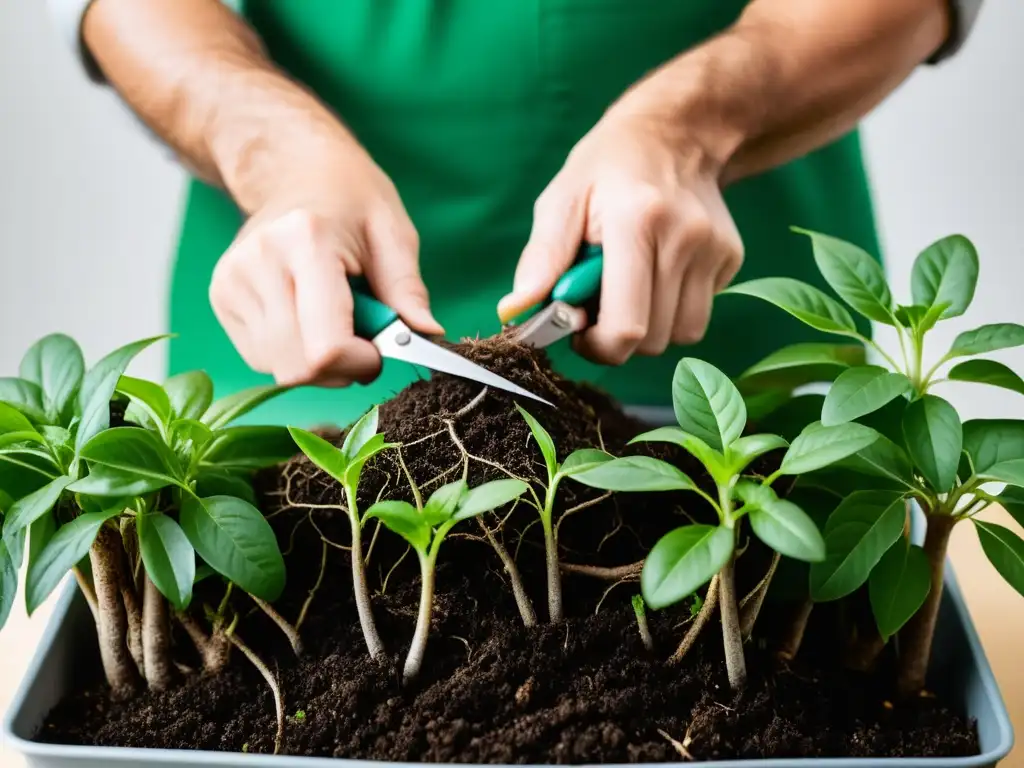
{"points": [[492, 691]]}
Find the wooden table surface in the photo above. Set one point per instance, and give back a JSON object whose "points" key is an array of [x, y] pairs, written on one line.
{"points": [[998, 613]]}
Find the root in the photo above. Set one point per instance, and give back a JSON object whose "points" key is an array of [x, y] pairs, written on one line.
{"points": [[214, 650], [608, 592], [85, 585], [289, 631], [678, 746], [629, 572], [789, 647], [580, 507], [690, 638], [523, 602], [312, 592], [112, 628], [751, 611], [156, 638], [271, 681]]}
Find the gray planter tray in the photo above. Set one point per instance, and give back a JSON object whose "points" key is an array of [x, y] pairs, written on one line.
{"points": [[960, 672]]}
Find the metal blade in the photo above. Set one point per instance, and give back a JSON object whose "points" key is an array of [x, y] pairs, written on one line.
{"points": [[399, 342], [551, 324]]}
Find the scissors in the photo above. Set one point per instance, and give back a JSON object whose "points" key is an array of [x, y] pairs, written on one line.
{"points": [[379, 324], [572, 305]]}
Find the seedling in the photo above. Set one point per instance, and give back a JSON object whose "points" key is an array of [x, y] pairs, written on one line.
{"points": [[712, 416], [345, 465], [425, 529], [83, 489], [926, 453], [641, 622], [576, 462]]}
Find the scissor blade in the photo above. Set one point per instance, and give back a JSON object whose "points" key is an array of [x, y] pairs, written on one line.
{"points": [[399, 342], [551, 324]]}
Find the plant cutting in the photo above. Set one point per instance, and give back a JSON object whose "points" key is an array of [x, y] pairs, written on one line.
{"points": [[712, 416], [925, 454], [425, 526], [126, 509]]}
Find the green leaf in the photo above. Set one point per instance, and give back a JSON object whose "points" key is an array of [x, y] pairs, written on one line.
{"points": [[25, 397], [1012, 500], [184, 431], [249, 448], [946, 271], [8, 584], [68, 546], [402, 518], [55, 364], [992, 441], [28, 509], [707, 404], [370, 449], [800, 364], [748, 448], [582, 460], [761, 405], [987, 338], [793, 417], [635, 473], [148, 397], [169, 558], [190, 394], [360, 434], [1005, 550], [232, 407], [544, 442], [108, 482], [919, 318], [987, 372], [136, 451], [883, 458], [714, 461], [898, 586], [683, 561], [488, 497], [203, 572], [442, 502], [1010, 472], [804, 302], [13, 421], [781, 524], [934, 437], [819, 446], [98, 387], [854, 275], [213, 482], [887, 420], [236, 541], [860, 391], [39, 535], [857, 535], [324, 455]]}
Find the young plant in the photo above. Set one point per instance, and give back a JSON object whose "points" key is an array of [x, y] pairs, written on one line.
{"points": [[82, 489], [640, 611], [425, 527], [576, 462], [712, 416], [345, 465], [926, 453]]}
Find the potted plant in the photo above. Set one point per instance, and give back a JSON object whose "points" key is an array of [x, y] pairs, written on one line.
{"points": [[382, 644]]}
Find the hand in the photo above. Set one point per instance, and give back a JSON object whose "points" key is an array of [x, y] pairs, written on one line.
{"points": [[281, 291], [645, 190]]}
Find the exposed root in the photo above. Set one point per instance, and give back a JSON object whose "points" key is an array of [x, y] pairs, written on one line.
{"points": [[289, 631], [112, 627], [156, 638], [312, 592], [751, 610], [579, 507], [271, 681], [214, 650], [608, 592], [85, 585], [678, 746], [526, 611], [699, 622], [619, 573], [384, 581], [793, 638]]}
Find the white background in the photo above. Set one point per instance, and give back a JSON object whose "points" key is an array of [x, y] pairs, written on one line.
{"points": [[88, 204]]}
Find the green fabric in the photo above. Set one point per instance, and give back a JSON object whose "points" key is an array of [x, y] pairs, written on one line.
{"points": [[471, 107]]}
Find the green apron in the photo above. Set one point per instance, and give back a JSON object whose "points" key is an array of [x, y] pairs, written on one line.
{"points": [[471, 106]]}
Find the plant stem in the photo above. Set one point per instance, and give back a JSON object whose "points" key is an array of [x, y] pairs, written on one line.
{"points": [[554, 572], [289, 631], [112, 626], [518, 591], [789, 646], [362, 593], [85, 585], [703, 615], [752, 610], [641, 623], [213, 649], [865, 650], [271, 681], [156, 638], [414, 661], [732, 639], [916, 637]]}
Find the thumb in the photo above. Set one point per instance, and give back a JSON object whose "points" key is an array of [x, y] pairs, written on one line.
{"points": [[394, 273], [558, 225]]}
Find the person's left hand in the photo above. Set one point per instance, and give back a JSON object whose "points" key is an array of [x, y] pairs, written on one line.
{"points": [[647, 192]]}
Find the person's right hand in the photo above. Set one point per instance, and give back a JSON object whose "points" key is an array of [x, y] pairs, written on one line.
{"points": [[281, 291]]}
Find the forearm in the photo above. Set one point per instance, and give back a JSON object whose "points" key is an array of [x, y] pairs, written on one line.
{"points": [[790, 76], [197, 75]]}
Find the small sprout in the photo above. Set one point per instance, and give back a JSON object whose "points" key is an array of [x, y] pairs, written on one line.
{"points": [[696, 603], [641, 622], [425, 529], [245, 748], [300, 716]]}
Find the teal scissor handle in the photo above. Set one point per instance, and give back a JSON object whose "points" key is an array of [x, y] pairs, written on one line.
{"points": [[369, 316], [581, 284]]}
